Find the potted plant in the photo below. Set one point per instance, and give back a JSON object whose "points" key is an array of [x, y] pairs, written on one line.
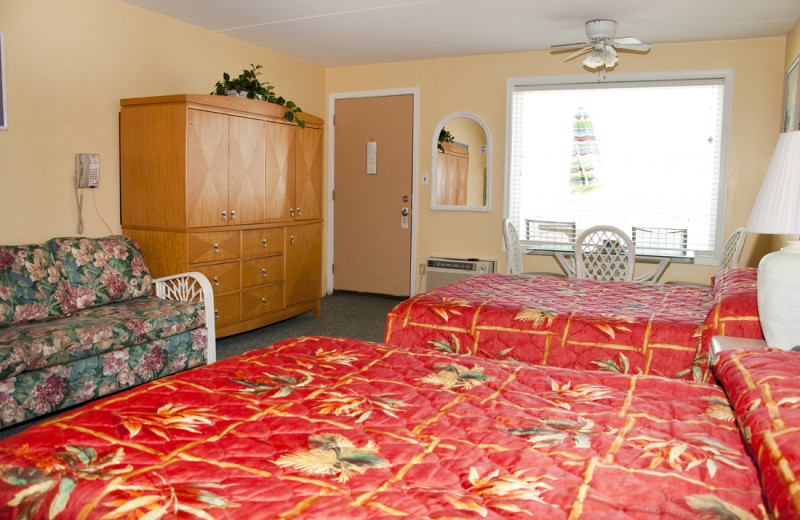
{"points": [[445, 137], [247, 85]]}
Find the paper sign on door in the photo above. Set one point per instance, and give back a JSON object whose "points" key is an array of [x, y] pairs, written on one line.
{"points": [[372, 158]]}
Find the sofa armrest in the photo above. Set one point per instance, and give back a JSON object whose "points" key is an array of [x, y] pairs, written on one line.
{"points": [[191, 287]]}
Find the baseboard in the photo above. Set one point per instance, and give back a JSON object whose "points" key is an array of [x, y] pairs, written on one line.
{"points": [[373, 295]]}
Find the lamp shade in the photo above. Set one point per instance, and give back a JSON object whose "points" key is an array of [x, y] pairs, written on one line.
{"points": [[777, 207]]}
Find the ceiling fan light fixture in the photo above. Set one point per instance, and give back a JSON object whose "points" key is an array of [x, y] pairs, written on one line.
{"points": [[600, 58]]}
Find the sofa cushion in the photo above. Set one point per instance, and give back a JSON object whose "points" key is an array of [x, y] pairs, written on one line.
{"points": [[32, 286], [763, 386], [95, 330], [101, 270], [32, 394]]}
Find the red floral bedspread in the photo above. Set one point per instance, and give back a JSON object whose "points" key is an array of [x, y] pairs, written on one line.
{"points": [[333, 428], [625, 327], [764, 388]]}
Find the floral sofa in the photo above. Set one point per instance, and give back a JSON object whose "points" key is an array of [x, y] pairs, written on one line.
{"points": [[82, 317]]}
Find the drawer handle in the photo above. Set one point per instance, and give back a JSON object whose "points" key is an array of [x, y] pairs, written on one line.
{"points": [[265, 301], [216, 314], [216, 248], [264, 272], [225, 215], [298, 213], [264, 241], [216, 281], [291, 239], [233, 214], [291, 212]]}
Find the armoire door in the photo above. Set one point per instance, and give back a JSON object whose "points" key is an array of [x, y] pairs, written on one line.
{"points": [[246, 163], [281, 141], [308, 174], [303, 250], [207, 168]]}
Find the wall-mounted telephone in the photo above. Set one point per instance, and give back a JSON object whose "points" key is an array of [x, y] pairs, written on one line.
{"points": [[87, 170]]}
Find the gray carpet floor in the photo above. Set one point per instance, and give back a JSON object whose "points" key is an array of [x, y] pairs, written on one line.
{"points": [[343, 315]]}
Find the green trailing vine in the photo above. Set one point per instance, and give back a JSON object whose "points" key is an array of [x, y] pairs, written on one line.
{"points": [[247, 82], [444, 137]]}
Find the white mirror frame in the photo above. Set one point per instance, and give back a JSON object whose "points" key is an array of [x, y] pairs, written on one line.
{"points": [[434, 165]]}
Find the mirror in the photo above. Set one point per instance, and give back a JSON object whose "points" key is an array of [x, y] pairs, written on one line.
{"points": [[461, 169]]}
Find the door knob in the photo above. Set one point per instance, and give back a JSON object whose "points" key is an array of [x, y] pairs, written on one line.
{"points": [[405, 198], [404, 212]]}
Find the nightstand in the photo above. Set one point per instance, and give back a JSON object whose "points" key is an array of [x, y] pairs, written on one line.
{"points": [[720, 343]]}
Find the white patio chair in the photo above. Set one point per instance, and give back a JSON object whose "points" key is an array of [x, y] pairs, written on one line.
{"points": [[732, 249], [604, 253], [513, 251], [730, 255]]}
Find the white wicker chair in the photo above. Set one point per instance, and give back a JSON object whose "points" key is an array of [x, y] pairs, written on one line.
{"points": [[513, 251], [604, 253], [730, 255], [732, 249]]}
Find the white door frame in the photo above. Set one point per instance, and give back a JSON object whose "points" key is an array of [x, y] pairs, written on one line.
{"points": [[414, 91]]}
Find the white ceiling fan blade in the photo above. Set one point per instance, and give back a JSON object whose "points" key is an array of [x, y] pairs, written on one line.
{"points": [[566, 45], [627, 40], [578, 52], [644, 47]]}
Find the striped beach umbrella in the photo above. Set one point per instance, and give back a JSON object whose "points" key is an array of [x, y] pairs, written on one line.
{"points": [[582, 178]]}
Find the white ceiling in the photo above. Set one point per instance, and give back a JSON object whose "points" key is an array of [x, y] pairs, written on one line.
{"points": [[334, 33]]}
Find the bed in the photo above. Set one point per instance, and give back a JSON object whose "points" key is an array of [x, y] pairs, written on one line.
{"points": [[625, 327], [319, 427]]}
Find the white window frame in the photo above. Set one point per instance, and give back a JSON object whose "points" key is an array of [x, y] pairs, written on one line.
{"points": [[725, 75]]}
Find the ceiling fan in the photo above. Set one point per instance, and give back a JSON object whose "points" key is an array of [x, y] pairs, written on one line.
{"points": [[602, 44]]}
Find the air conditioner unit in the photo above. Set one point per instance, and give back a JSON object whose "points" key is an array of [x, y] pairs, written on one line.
{"points": [[442, 270]]}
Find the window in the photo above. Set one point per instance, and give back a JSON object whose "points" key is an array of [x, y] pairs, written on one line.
{"points": [[643, 153]]}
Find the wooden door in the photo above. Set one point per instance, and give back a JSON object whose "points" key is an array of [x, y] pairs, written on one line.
{"points": [[246, 163], [308, 174], [303, 250], [372, 242], [207, 168], [280, 168]]}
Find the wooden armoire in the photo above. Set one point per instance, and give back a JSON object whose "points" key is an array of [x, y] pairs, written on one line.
{"points": [[228, 187], [451, 177]]}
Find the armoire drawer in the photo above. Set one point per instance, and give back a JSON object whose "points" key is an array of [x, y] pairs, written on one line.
{"points": [[224, 277], [226, 309], [213, 246], [260, 271], [262, 300], [265, 241]]}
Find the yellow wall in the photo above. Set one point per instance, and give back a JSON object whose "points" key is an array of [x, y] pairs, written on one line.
{"points": [[68, 65], [478, 84], [64, 87], [792, 51]]}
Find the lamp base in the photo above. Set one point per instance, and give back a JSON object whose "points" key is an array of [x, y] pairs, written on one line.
{"points": [[779, 296]]}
